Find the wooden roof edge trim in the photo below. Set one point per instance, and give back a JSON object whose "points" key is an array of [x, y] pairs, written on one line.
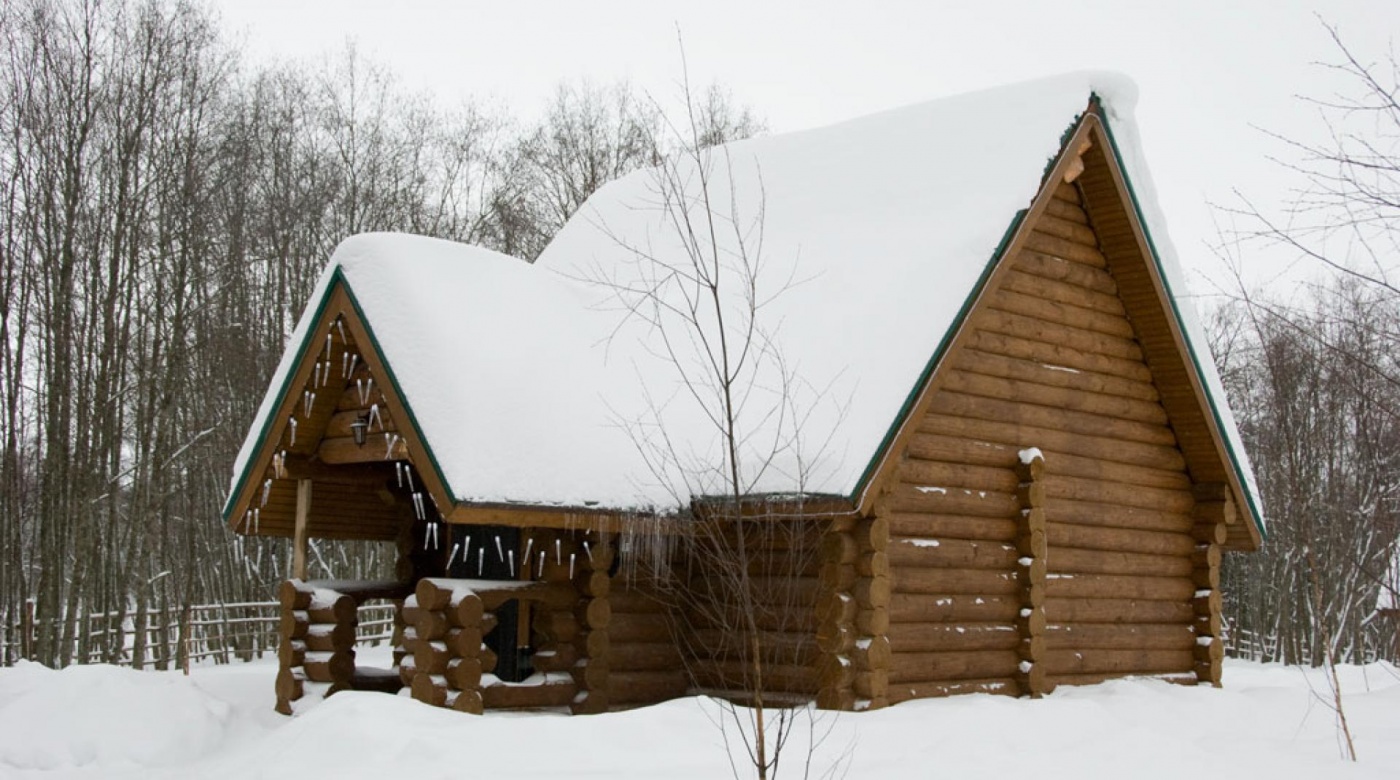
{"points": [[880, 468], [261, 457], [373, 354], [1215, 423]]}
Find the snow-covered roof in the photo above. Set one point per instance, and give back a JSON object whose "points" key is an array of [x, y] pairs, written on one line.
{"points": [[550, 383]]}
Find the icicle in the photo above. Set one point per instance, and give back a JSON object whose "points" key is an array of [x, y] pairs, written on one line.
{"points": [[267, 487], [540, 573], [588, 551], [511, 557], [453, 556], [340, 326], [369, 387], [326, 376], [328, 346], [374, 417], [398, 473], [558, 559], [427, 534], [466, 548], [499, 554], [572, 556], [408, 472], [257, 520], [436, 541], [525, 559], [344, 364], [418, 506], [480, 560], [292, 423], [360, 390], [389, 442], [350, 370]]}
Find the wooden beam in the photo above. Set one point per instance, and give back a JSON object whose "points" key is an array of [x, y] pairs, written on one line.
{"points": [[299, 534]]}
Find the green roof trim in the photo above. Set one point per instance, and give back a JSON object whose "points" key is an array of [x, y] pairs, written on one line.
{"points": [[937, 357], [338, 279], [909, 400], [281, 393], [1255, 515]]}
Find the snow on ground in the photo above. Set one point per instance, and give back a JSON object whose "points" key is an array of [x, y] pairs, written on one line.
{"points": [[1270, 721]]}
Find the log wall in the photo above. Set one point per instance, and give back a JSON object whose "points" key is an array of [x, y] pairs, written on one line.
{"points": [[1009, 581]]}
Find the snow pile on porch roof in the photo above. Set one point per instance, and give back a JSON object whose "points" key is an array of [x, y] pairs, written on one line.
{"points": [[531, 385]]}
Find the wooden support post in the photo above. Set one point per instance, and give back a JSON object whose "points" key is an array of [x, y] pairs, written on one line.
{"points": [[1032, 546], [1214, 511], [299, 532]]}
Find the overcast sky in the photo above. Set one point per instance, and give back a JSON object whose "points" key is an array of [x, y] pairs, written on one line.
{"points": [[1207, 71]]}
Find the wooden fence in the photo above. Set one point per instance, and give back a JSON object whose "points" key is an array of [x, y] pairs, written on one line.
{"points": [[170, 638]]}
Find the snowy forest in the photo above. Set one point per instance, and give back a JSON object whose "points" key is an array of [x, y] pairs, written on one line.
{"points": [[166, 206]]}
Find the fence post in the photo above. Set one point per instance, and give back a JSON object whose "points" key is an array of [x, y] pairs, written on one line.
{"points": [[26, 631], [223, 620], [184, 652]]}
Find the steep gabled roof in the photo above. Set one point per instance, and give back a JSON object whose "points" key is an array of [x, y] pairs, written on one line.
{"points": [[529, 385]]}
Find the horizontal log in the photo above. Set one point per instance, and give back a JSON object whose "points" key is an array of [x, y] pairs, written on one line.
{"points": [[341, 450], [636, 627], [1077, 338], [1049, 353], [321, 637], [1120, 495], [1066, 209], [1116, 610], [913, 552], [1118, 516], [1086, 424], [292, 625], [627, 600], [294, 595], [1069, 560], [1039, 241], [930, 526], [1104, 586], [1019, 281], [906, 691], [1054, 439], [951, 475], [1050, 267], [917, 608], [1178, 678], [329, 667], [1067, 229], [966, 665], [948, 637], [725, 674], [1120, 636], [652, 656], [553, 691], [1061, 313], [636, 688], [956, 582], [838, 547], [1094, 661], [1084, 537], [795, 648], [940, 500], [557, 658]]}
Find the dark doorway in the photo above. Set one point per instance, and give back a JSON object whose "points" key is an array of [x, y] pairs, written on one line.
{"points": [[492, 552]]}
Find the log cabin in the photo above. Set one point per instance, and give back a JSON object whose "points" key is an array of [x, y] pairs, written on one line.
{"points": [[983, 445]]}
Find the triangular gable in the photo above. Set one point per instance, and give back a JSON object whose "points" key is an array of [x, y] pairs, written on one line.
{"points": [[338, 374], [1191, 404]]}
